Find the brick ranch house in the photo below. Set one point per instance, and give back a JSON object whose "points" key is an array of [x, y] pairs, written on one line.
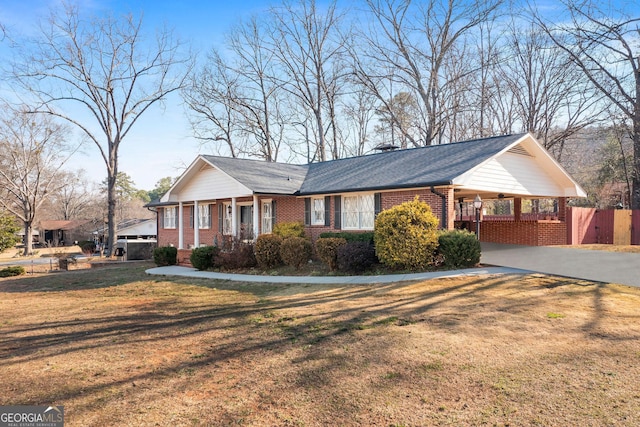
{"points": [[218, 197]]}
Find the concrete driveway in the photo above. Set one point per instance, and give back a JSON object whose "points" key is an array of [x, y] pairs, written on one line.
{"points": [[600, 266]]}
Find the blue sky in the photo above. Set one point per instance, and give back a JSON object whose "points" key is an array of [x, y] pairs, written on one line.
{"points": [[160, 143]]}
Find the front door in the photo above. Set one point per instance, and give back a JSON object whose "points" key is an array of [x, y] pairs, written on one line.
{"points": [[246, 222]]}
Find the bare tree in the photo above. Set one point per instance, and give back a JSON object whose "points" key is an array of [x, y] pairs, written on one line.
{"points": [[74, 199], [551, 98], [108, 76], [210, 95], [32, 154], [310, 50], [415, 41], [602, 43]]}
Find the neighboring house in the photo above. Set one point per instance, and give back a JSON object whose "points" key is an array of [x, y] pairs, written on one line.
{"points": [[144, 229], [218, 197], [64, 232]]}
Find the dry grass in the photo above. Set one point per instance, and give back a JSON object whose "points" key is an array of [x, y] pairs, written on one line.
{"points": [[117, 347], [608, 248]]}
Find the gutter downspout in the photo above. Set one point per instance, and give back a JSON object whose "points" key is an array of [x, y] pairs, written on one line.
{"points": [[443, 216]]}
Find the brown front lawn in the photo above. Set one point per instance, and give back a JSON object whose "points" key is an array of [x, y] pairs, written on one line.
{"points": [[118, 347]]}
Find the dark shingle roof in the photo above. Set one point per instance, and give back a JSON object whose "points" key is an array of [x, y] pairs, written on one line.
{"points": [[262, 177], [416, 167]]}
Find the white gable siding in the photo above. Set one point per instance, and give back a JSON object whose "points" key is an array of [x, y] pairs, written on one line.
{"points": [[512, 174], [210, 183]]}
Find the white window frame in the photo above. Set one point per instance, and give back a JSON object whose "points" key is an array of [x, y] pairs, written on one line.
{"points": [[267, 217], [358, 203], [227, 219], [204, 216], [170, 215], [317, 211]]}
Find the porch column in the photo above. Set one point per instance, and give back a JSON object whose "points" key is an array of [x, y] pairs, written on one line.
{"points": [[180, 227], [256, 217], [517, 208], [196, 225], [234, 217]]}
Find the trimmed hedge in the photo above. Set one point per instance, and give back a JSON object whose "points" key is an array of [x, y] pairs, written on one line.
{"points": [[267, 250], [356, 257], [295, 251], [16, 270], [459, 248], [406, 235], [289, 229], [165, 255], [203, 258], [327, 250], [349, 237]]}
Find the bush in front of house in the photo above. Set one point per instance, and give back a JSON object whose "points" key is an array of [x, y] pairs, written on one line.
{"points": [[406, 235], [356, 257], [267, 250], [459, 249], [239, 255], [165, 255], [16, 270], [367, 236], [327, 250], [289, 229], [295, 251], [202, 258]]}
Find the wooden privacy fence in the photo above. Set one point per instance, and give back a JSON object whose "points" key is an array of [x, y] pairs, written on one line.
{"points": [[606, 226]]}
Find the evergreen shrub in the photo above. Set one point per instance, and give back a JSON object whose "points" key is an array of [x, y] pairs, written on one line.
{"points": [[459, 249], [327, 250], [406, 236]]}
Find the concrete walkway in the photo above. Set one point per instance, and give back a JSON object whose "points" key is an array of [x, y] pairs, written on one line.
{"points": [[358, 280], [599, 266]]}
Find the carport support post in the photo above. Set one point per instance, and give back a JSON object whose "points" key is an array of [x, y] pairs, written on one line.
{"points": [[517, 208]]}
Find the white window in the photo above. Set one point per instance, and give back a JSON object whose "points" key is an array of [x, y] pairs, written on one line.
{"points": [[226, 224], [358, 212], [317, 211], [204, 216], [170, 217], [267, 217]]}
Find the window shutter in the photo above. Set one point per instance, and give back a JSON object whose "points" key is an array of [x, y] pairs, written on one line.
{"points": [[307, 211], [210, 215], [337, 214], [161, 216], [377, 202], [273, 213], [191, 209], [327, 211], [220, 217]]}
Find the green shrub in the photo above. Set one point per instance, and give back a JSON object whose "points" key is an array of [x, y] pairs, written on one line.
{"points": [[165, 255], [327, 250], [289, 229], [367, 236], [267, 250], [16, 270], [459, 248], [295, 251], [406, 235], [356, 257], [241, 254], [203, 258]]}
